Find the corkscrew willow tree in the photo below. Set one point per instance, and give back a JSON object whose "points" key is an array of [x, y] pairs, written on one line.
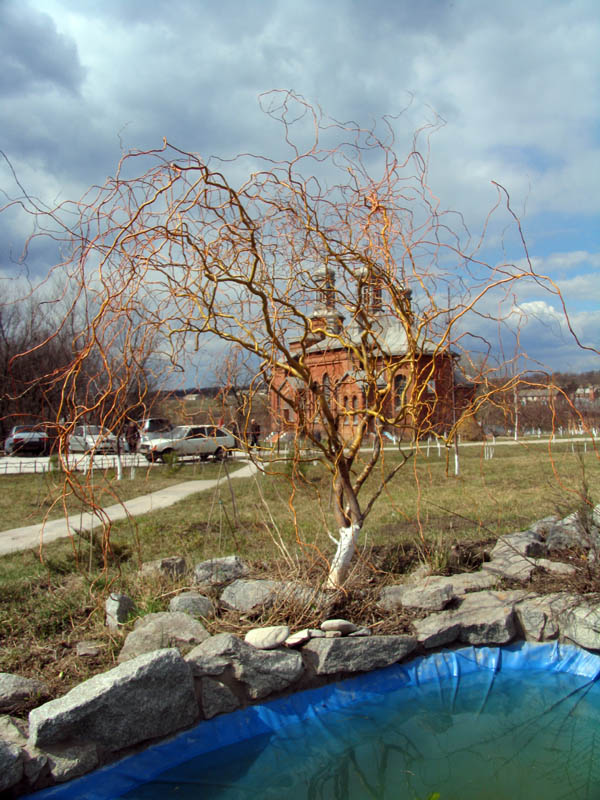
{"points": [[334, 267]]}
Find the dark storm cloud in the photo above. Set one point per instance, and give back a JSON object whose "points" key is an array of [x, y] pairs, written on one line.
{"points": [[33, 55]]}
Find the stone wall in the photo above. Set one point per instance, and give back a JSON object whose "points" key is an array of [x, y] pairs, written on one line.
{"points": [[173, 674]]}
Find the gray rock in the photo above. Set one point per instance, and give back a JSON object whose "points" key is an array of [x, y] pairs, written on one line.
{"points": [[16, 691], [555, 567], [525, 543], [267, 638], [303, 636], [261, 671], [217, 698], [13, 731], [482, 618], [192, 603], [579, 621], [161, 630], [429, 596], [543, 526], [11, 765], [72, 760], [344, 626], [118, 608], [170, 567], [509, 564], [249, 596], [220, 570], [150, 696], [538, 615], [361, 632], [330, 656]]}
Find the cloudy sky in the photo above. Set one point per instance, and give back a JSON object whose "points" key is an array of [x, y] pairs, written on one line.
{"points": [[517, 83]]}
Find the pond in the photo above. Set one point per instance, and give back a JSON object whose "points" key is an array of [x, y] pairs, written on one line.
{"points": [[499, 724]]}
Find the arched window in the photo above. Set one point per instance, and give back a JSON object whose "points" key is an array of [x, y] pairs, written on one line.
{"points": [[327, 388]]}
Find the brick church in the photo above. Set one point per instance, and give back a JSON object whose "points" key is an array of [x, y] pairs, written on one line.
{"points": [[374, 365]]}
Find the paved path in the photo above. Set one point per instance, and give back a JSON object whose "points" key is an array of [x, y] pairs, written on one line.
{"points": [[17, 539]]}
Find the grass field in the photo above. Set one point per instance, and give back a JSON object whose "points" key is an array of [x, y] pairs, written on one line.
{"points": [[48, 605]]}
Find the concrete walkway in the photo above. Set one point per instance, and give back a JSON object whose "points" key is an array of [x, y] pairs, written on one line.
{"points": [[17, 539]]}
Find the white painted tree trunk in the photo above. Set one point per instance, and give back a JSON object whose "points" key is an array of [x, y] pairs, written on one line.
{"points": [[346, 547]]}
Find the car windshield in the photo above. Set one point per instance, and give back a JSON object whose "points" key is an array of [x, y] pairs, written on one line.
{"points": [[157, 425], [96, 430], [24, 429]]}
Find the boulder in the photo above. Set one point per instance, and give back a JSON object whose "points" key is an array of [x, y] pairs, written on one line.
{"points": [[342, 655], [579, 621], [72, 760], [217, 698], [147, 697], [261, 671], [538, 615], [220, 570], [13, 731], [192, 603], [482, 618], [161, 630], [16, 692]]}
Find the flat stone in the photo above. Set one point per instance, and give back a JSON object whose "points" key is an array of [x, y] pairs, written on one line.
{"points": [[217, 698], [163, 630], [267, 638], [192, 603], [220, 570], [510, 564], [147, 697], [429, 596], [346, 655], [303, 636], [344, 626], [261, 671], [555, 567], [16, 691]]}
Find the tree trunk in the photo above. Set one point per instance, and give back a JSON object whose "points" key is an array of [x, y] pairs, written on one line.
{"points": [[346, 547]]}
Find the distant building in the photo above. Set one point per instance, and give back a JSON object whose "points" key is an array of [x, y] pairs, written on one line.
{"points": [[426, 393]]}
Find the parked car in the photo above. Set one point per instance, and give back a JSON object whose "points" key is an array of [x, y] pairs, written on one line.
{"points": [[88, 438], [201, 441], [28, 440], [154, 427]]}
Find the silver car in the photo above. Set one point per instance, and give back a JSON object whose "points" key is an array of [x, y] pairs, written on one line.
{"points": [[200, 441], [92, 438]]}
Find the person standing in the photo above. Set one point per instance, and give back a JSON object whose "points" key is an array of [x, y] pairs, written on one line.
{"points": [[254, 433]]}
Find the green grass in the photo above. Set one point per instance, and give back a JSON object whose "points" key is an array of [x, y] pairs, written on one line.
{"points": [[47, 605], [31, 499]]}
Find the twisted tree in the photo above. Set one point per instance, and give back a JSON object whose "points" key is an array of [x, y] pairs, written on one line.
{"points": [[333, 267]]}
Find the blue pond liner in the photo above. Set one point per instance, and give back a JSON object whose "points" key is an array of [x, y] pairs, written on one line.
{"points": [[521, 721]]}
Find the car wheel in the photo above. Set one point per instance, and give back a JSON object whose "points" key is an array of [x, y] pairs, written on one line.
{"points": [[166, 456], [219, 454]]}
